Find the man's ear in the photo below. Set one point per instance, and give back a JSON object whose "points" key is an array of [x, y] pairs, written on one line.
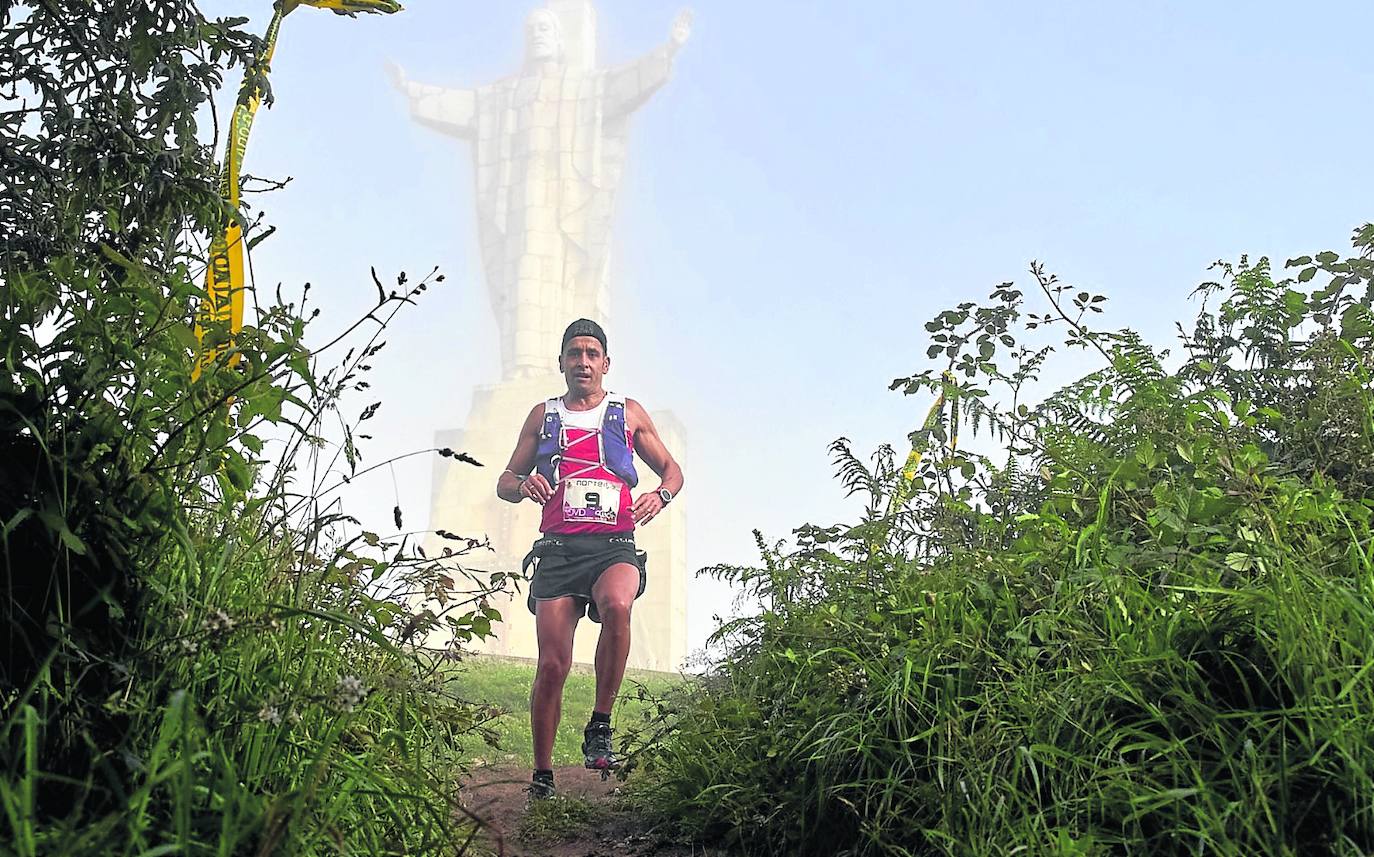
{"points": [[560, 364], [606, 364]]}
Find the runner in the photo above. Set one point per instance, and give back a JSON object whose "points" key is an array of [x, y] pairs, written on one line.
{"points": [[575, 457]]}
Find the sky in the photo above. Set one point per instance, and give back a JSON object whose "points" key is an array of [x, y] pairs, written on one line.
{"points": [[817, 181]]}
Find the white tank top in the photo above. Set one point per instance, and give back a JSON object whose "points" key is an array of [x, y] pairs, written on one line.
{"points": [[583, 419]]}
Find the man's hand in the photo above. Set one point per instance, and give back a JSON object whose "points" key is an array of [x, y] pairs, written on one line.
{"points": [[682, 28], [537, 488], [646, 508]]}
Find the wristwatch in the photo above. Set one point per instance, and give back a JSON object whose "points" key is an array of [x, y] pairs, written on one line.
{"points": [[665, 495]]}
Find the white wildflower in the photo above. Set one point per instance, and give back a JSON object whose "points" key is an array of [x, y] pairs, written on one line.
{"points": [[270, 714], [218, 622], [349, 692]]}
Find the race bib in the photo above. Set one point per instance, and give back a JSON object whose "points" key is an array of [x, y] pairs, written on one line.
{"points": [[594, 501]]}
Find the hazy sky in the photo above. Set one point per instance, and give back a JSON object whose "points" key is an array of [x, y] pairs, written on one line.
{"points": [[816, 182]]}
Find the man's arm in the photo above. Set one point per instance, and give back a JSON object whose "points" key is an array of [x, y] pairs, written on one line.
{"points": [[630, 85], [650, 447], [448, 111], [510, 487]]}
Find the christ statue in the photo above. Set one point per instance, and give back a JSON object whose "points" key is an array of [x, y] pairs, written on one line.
{"points": [[548, 151]]}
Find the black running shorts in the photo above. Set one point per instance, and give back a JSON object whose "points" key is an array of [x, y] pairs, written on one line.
{"points": [[570, 565]]}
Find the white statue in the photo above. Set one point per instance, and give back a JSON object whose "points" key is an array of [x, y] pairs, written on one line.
{"points": [[548, 151]]}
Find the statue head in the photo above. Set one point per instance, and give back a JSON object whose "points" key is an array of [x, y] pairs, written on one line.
{"points": [[543, 36]]}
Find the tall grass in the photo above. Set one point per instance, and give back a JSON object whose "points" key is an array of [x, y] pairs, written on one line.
{"points": [[1145, 630], [265, 697]]}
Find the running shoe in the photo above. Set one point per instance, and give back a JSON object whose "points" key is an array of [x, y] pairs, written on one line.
{"points": [[540, 787], [596, 747]]}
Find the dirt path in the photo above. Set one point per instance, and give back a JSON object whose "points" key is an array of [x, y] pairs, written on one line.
{"points": [[498, 796]]}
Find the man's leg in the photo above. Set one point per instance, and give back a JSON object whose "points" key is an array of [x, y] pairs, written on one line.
{"points": [[614, 594], [555, 619]]}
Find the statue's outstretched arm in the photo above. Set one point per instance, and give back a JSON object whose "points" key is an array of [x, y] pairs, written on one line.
{"points": [[448, 111], [630, 85]]}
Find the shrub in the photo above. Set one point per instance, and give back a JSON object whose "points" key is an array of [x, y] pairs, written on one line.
{"points": [[202, 654], [1142, 626]]}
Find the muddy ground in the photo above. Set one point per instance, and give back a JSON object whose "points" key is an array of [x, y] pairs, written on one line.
{"points": [[497, 795]]}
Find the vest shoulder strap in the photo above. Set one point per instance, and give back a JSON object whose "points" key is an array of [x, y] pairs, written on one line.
{"points": [[551, 417]]}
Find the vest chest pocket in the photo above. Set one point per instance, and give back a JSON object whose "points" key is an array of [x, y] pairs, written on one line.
{"points": [[590, 501]]}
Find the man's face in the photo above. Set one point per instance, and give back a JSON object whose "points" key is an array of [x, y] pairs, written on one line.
{"points": [[542, 39], [583, 363]]}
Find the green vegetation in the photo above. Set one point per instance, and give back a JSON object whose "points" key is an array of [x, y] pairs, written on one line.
{"points": [[504, 686], [201, 654], [1142, 627]]}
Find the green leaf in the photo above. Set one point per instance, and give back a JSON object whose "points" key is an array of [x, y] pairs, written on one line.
{"points": [[1239, 561], [239, 474], [1356, 323], [184, 335], [17, 519], [300, 363], [119, 258], [72, 541]]}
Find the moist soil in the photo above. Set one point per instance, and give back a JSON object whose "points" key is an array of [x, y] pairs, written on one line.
{"points": [[497, 796]]}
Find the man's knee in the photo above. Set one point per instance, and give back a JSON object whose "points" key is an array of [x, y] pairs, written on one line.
{"points": [[553, 666], [614, 610]]}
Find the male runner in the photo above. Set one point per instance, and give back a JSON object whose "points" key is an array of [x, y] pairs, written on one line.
{"points": [[575, 457]]}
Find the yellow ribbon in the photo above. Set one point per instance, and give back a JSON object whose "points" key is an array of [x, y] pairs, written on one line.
{"points": [[224, 281]]}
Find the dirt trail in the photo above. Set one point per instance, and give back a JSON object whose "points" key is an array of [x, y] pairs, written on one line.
{"points": [[498, 796]]}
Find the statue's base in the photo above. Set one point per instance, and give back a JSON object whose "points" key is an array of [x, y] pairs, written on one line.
{"points": [[464, 501]]}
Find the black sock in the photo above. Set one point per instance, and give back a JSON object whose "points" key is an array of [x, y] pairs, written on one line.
{"points": [[543, 774], [599, 717]]}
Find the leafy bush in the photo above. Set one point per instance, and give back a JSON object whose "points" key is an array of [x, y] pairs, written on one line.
{"points": [[1144, 626], [201, 654]]}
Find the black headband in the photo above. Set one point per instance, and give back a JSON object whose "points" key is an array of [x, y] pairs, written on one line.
{"points": [[584, 327]]}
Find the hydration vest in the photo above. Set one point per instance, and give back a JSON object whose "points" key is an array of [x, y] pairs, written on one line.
{"points": [[612, 442]]}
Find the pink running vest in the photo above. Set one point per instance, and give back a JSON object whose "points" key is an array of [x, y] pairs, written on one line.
{"points": [[589, 496]]}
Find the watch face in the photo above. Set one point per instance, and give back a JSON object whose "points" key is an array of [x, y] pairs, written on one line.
{"points": [[665, 495]]}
